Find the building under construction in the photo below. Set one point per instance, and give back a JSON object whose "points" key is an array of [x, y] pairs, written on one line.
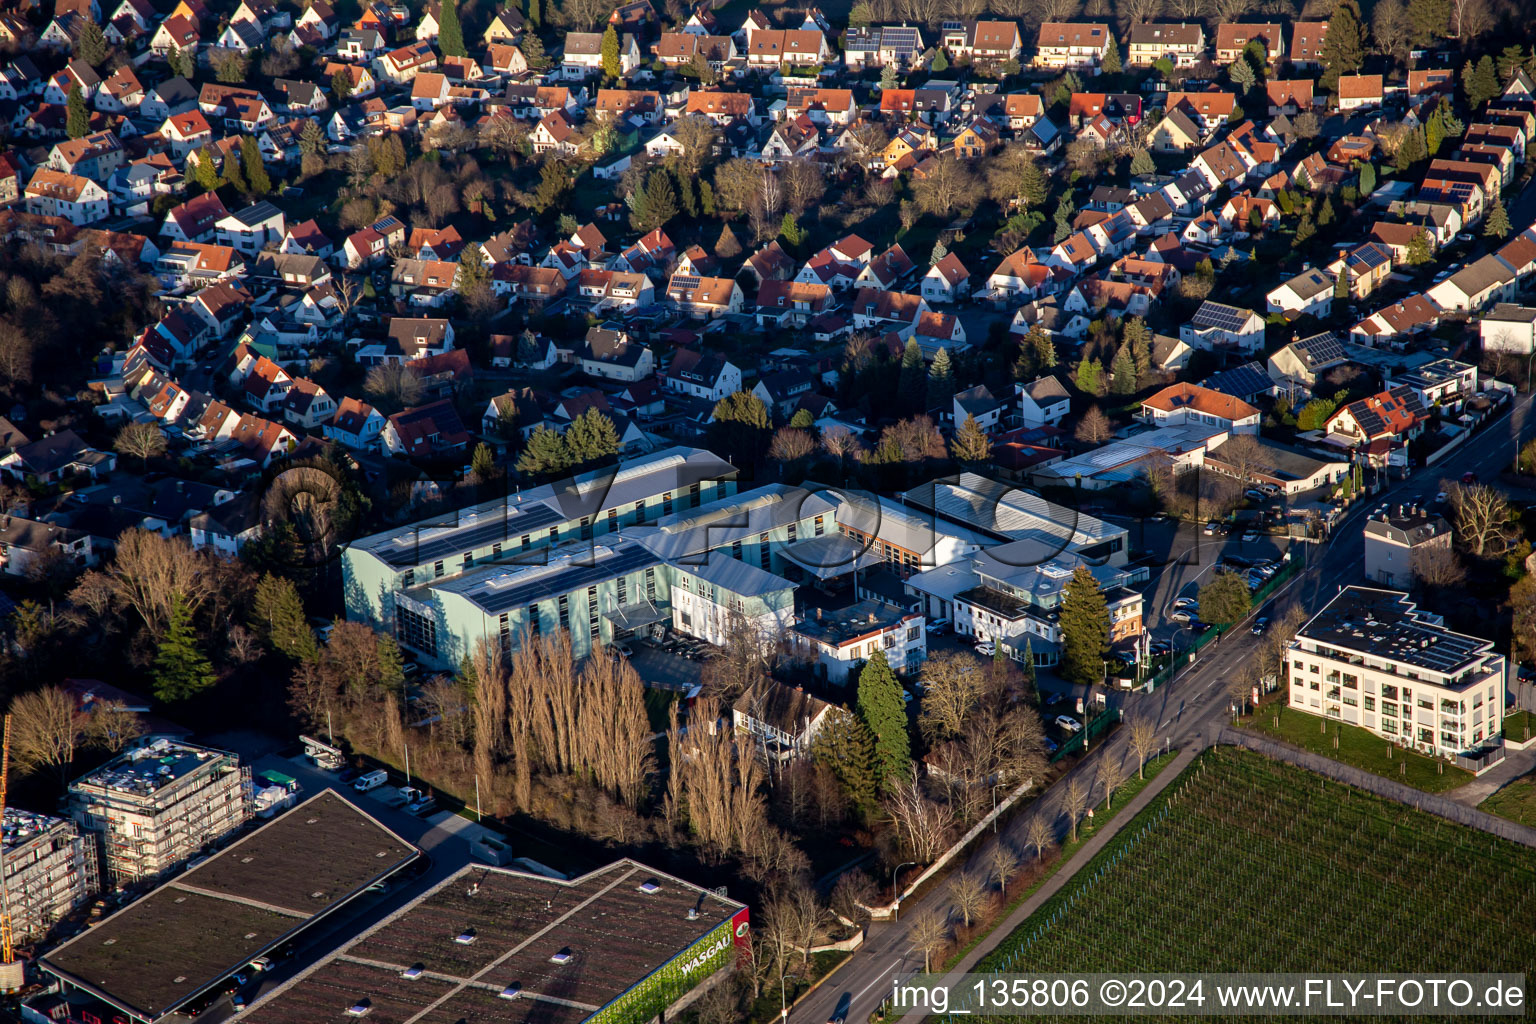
{"points": [[153, 807], [50, 869]]}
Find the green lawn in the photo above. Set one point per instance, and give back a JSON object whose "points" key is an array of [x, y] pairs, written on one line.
{"points": [[657, 704], [1325, 878], [1519, 726], [1516, 801], [1357, 747]]}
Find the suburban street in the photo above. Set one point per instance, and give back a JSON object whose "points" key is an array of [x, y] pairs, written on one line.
{"points": [[1183, 708]]}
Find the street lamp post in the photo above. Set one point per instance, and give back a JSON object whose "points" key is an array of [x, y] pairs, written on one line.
{"points": [[895, 892]]}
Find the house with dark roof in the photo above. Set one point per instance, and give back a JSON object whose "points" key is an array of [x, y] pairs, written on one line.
{"points": [[706, 375], [978, 402], [609, 352], [59, 455], [427, 431], [1044, 402]]}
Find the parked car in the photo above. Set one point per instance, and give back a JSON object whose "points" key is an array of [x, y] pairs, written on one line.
{"points": [[1182, 615], [938, 627], [1069, 724], [1211, 528], [237, 1002], [986, 647], [1469, 477], [1254, 494], [1250, 537], [1053, 698]]}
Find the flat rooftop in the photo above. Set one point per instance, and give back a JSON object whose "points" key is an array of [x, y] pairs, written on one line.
{"points": [[189, 934], [1008, 512], [610, 932], [1384, 623], [22, 827], [539, 508], [847, 624], [147, 769]]}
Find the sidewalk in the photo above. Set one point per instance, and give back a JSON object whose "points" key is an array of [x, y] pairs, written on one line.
{"points": [[1515, 764]]}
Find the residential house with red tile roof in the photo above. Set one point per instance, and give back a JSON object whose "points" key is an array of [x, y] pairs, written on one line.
{"points": [[1190, 404], [1059, 44], [1232, 38]]}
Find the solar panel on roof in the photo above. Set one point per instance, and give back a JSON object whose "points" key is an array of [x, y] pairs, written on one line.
{"points": [[1320, 348], [689, 283], [1226, 318]]}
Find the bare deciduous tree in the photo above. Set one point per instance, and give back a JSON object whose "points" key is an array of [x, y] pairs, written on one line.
{"points": [[142, 441], [970, 895], [393, 385], [1003, 863], [928, 935], [112, 726], [1437, 565], [1094, 427], [1074, 801], [953, 686], [923, 824], [1110, 773], [45, 730], [151, 573], [1485, 522], [791, 445], [1039, 834]]}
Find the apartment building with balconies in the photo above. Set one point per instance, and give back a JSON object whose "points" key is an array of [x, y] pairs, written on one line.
{"points": [[1371, 658], [50, 869], [156, 805]]}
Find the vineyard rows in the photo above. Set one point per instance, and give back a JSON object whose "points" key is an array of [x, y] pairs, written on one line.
{"points": [[1249, 864]]}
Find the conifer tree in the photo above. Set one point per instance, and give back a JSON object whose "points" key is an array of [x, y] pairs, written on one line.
{"points": [[92, 47], [913, 383], [1122, 371], [941, 379], [256, 177], [77, 121], [1497, 224], [180, 669], [970, 445], [1111, 60], [885, 715], [1084, 626], [590, 438], [450, 34], [846, 747], [544, 454], [940, 250], [1344, 45], [1141, 163], [277, 616], [610, 48], [204, 171]]}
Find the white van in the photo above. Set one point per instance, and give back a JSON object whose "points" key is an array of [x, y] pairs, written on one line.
{"points": [[373, 780]]}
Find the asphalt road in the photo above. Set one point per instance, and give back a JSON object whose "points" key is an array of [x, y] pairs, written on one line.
{"points": [[1183, 707]]}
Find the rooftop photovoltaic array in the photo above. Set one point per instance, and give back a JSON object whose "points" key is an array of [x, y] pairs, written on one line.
{"points": [[1384, 623], [1320, 349], [1221, 317]]}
